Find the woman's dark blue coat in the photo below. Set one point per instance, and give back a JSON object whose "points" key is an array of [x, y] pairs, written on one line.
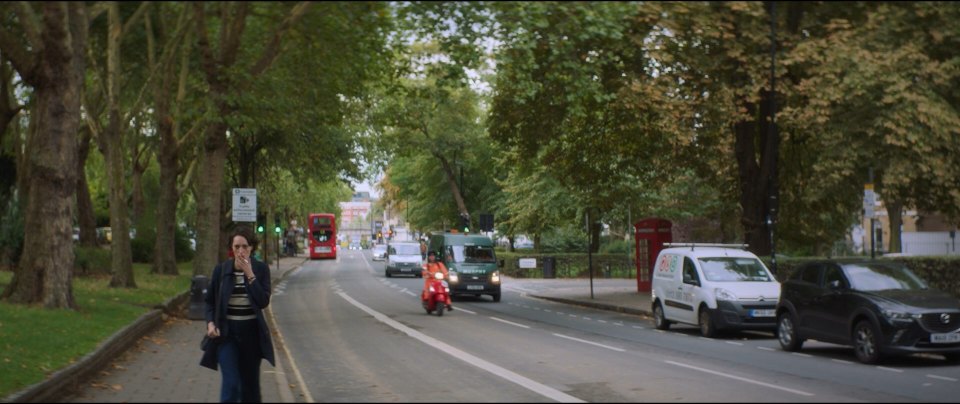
{"points": [[222, 280]]}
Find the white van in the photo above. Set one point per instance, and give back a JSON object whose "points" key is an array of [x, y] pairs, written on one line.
{"points": [[715, 287], [403, 258]]}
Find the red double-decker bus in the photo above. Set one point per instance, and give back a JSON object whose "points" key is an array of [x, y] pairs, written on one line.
{"points": [[322, 228]]}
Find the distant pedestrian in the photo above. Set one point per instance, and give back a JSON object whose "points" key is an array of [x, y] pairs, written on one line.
{"points": [[239, 291], [423, 249]]}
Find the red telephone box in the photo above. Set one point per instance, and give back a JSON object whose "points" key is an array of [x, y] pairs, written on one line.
{"points": [[650, 233]]}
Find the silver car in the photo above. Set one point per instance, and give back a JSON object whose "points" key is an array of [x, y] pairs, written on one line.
{"points": [[380, 252]]}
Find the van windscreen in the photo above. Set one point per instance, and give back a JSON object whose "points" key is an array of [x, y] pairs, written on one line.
{"points": [[729, 269], [471, 254]]}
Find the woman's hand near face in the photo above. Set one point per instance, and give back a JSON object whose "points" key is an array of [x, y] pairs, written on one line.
{"points": [[241, 253]]}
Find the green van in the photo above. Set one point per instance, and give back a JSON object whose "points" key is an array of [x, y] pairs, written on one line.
{"points": [[474, 269]]}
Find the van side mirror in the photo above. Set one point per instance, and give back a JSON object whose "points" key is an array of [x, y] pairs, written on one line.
{"points": [[500, 263], [835, 285]]}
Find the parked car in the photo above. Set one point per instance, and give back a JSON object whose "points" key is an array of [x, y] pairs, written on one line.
{"points": [[714, 287], [878, 308], [355, 245], [380, 252]]}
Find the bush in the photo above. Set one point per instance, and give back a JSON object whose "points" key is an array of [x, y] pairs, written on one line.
{"points": [[182, 244], [91, 261], [11, 232], [142, 247], [614, 246]]}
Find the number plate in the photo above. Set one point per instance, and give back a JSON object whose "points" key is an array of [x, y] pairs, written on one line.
{"points": [[945, 338], [474, 287], [321, 249], [762, 313]]}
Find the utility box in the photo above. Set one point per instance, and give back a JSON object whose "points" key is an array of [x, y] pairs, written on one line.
{"points": [[650, 234], [198, 287], [549, 267]]}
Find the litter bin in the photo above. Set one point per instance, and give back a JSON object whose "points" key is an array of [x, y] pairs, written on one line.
{"points": [[549, 267], [198, 287]]}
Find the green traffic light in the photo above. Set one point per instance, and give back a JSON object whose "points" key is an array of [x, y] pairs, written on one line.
{"points": [[276, 229], [260, 229]]}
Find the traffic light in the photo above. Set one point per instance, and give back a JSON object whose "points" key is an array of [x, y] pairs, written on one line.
{"points": [[465, 222], [261, 220], [276, 224], [486, 222]]}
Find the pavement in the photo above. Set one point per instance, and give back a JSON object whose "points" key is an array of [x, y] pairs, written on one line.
{"points": [[163, 364]]}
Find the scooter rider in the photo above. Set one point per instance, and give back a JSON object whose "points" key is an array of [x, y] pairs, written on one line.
{"points": [[433, 266]]}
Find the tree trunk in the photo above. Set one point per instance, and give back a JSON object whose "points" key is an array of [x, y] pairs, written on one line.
{"points": [[894, 213], [168, 154], [121, 262], [216, 64], [46, 266], [137, 201], [752, 215], [452, 181], [213, 158], [86, 217]]}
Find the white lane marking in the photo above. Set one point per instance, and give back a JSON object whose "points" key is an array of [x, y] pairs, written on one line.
{"points": [[572, 315], [801, 354], [733, 343], [842, 361], [587, 318], [613, 348], [764, 348], [506, 374], [638, 327], [802, 393], [296, 370], [465, 310], [602, 321], [889, 369], [618, 324], [510, 322], [411, 293], [949, 379]]}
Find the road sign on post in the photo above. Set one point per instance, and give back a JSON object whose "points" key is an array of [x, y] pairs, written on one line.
{"points": [[244, 204], [869, 200]]}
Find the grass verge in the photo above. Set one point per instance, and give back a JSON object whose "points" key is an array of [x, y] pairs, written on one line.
{"points": [[37, 342]]}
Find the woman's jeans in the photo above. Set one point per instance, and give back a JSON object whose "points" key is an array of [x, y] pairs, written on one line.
{"points": [[239, 358]]}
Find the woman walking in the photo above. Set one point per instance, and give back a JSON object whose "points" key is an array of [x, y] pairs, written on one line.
{"points": [[239, 291]]}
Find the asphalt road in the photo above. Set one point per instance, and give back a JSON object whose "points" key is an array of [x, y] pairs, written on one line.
{"points": [[355, 335]]}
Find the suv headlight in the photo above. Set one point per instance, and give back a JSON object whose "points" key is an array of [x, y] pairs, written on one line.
{"points": [[495, 277], [899, 317], [454, 278], [723, 294]]}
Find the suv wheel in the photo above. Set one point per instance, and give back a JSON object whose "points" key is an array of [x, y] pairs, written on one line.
{"points": [[707, 328], [659, 321], [866, 342], [787, 333]]}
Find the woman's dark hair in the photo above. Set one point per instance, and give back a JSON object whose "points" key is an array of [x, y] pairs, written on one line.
{"points": [[247, 233]]}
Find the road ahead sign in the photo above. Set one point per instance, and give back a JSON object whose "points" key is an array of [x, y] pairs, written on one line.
{"points": [[244, 204]]}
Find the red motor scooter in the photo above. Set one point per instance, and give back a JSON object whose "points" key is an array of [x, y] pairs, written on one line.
{"points": [[436, 297]]}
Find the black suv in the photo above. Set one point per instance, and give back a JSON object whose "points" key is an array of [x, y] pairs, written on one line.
{"points": [[877, 307]]}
